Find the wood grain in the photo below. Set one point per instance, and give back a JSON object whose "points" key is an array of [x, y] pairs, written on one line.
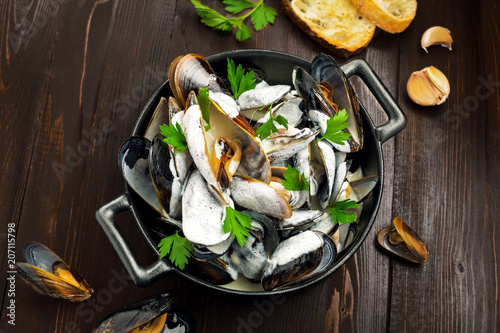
{"points": [[74, 75]]}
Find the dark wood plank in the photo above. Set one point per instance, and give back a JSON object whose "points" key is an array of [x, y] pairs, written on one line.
{"points": [[441, 183]]}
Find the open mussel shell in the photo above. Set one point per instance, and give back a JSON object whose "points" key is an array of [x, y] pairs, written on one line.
{"points": [[321, 106], [202, 213], [262, 96], [292, 109], [216, 270], [133, 160], [328, 159], [300, 220], [252, 257], [362, 187], [160, 117], [154, 314], [255, 195], [403, 242], [296, 199], [326, 71], [347, 234], [164, 176], [50, 275], [298, 258], [282, 146], [190, 72]]}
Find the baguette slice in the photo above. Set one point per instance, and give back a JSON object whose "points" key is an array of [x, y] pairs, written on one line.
{"points": [[389, 15], [337, 25]]}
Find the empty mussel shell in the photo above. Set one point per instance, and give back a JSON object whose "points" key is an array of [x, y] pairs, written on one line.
{"points": [[403, 242], [50, 275], [154, 314]]}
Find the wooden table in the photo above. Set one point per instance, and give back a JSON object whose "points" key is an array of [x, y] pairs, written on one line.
{"points": [[66, 65]]}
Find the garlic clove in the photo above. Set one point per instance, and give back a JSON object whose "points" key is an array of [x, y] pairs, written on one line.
{"points": [[428, 87], [436, 36]]}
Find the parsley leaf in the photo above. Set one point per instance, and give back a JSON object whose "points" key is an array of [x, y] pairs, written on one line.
{"points": [[335, 126], [260, 16], [204, 102], [236, 6], [268, 127], [178, 247], [240, 82], [211, 18], [338, 211], [294, 180], [174, 136], [243, 33], [238, 223]]}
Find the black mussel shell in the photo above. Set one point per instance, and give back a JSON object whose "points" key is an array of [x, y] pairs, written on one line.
{"points": [[137, 314], [49, 275]]}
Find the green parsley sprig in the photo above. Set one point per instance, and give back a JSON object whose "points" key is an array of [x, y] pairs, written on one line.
{"points": [[268, 127], [174, 136], [335, 126], [260, 15], [238, 223], [338, 211], [204, 102], [240, 82], [294, 180], [177, 247]]}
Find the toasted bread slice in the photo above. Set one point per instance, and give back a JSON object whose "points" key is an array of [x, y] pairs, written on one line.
{"points": [[389, 15], [338, 25]]}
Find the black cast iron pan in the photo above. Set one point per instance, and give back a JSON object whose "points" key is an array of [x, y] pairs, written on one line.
{"points": [[278, 68]]}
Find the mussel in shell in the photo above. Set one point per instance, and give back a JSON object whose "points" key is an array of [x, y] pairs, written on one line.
{"points": [[188, 73], [202, 213], [259, 196], [326, 92], [154, 314], [336, 86], [403, 242], [50, 275], [252, 257], [297, 258]]}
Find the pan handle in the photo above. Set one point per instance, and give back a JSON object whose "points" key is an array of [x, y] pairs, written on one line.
{"points": [[141, 276], [397, 119]]}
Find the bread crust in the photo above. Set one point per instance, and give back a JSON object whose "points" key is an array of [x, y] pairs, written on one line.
{"points": [[337, 47], [384, 20]]}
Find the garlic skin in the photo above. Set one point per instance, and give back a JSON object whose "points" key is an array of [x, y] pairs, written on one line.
{"points": [[436, 36], [428, 87]]}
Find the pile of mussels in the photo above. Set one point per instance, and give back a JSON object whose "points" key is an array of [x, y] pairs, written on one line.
{"points": [[293, 237]]}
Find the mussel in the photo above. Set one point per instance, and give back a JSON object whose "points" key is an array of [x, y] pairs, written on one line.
{"points": [[326, 91], [50, 275], [154, 314], [259, 196], [189, 72], [298, 258], [252, 257], [202, 213], [336, 86], [403, 242]]}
